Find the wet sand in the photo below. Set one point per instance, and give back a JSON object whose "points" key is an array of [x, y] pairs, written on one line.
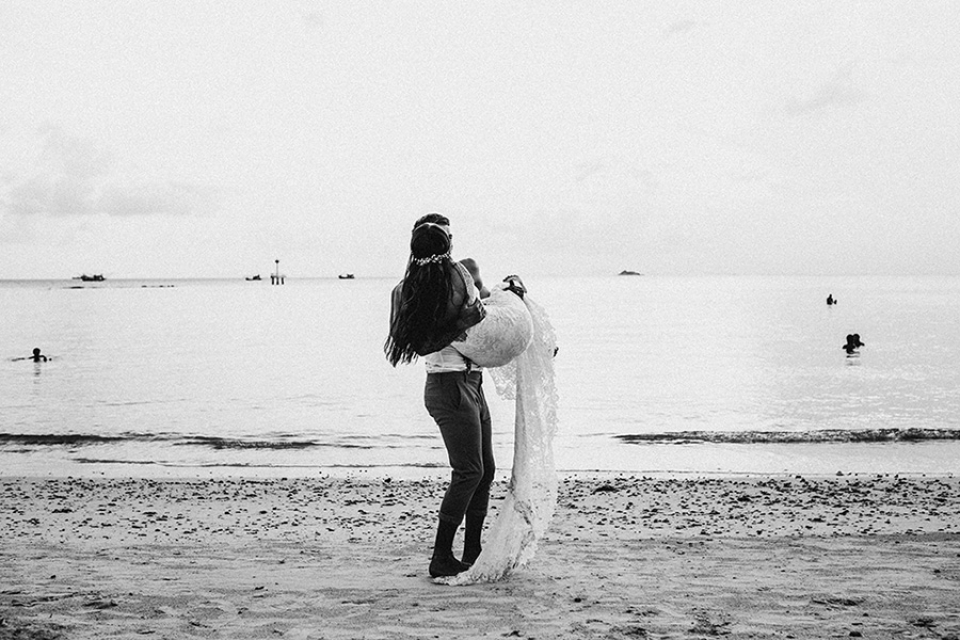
{"points": [[625, 557]]}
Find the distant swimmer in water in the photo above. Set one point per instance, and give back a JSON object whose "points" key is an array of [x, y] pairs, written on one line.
{"points": [[831, 300], [36, 357], [853, 343]]}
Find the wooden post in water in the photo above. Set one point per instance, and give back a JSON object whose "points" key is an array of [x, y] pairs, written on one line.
{"points": [[276, 278]]}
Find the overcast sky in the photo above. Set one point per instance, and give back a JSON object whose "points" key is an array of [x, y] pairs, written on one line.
{"points": [[181, 139]]}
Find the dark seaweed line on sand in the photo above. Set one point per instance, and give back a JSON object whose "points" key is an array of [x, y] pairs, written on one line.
{"points": [[80, 439], [253, 465], [792, 437]]}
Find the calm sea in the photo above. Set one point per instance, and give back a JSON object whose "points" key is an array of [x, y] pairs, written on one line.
{"points": [[656, 375]]}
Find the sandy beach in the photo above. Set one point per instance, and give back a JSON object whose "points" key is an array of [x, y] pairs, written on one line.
{"points": [[625, 557]]}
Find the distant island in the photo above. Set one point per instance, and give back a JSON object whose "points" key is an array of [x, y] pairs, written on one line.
{"points": [[629, 273]]}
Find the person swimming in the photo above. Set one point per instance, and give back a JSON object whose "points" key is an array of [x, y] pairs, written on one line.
{"points": [[853, 343], [36, 357]]}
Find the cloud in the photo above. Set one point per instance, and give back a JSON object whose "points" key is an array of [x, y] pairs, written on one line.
{"points": [[680, 26], [170, 198], [313, 19], [60, 175], [839, 91], [586, 169]]}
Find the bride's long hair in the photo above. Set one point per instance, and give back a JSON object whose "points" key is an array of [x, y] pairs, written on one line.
{"points": [[425, 294]]}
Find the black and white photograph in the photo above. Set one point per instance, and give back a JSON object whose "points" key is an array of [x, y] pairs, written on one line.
{"points": [[615, 320]]}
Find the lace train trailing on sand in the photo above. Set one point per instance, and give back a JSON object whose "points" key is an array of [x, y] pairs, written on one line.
{"points": [[532, 493]]}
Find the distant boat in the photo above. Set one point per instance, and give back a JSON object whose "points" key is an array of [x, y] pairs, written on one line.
{"points": [[629, 273], [97, 277], [253, 278], [346, 276]]}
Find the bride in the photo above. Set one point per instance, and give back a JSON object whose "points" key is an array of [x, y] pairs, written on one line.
{"points": [[437, 314], [525, 375]]}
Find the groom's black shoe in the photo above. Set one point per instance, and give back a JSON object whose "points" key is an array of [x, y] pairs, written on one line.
{"points": [[444, 566]]}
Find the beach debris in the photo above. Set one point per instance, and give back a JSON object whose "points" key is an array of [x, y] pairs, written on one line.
{"points": [[651, 518], [606, 488], [837, 601], [709, 624], [101, 604], [627, 631]]}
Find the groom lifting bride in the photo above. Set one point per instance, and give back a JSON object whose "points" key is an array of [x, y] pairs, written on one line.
{"points": [[438, 313]]}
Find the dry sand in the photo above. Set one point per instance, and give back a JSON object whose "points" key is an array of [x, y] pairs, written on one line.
{"points": [[626, 557]]}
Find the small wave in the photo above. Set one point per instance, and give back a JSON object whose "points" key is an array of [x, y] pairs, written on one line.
{"points": [[253, 465], [390, 465], [219, 444], [191, 465], [283, 442], [236, 443], [81, 439], [791, 437], [82, 460], [52, 439]]}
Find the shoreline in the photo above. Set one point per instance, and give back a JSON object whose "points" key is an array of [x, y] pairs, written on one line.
{"points": [[602, 455], [439, 473], [930, 459], [625, 556]]}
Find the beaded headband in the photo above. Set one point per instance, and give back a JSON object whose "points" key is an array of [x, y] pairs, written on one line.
{"points": [[434, 258]]}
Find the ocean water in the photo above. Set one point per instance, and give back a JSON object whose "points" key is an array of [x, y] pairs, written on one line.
{"points": [[656, 375]]}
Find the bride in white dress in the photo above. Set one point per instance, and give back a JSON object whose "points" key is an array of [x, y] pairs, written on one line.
{"points": [[517, 344], [437, 313]]}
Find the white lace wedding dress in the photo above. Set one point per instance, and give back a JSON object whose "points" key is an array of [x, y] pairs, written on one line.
{"points": [[529, 379], [503, 334]]}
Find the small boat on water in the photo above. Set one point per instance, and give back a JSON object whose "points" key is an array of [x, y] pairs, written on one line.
{"points": [[627, 272], [253, 278], [346, 276], [97, 277]]}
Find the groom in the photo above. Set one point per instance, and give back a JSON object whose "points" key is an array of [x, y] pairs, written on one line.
{"points": [[454, 398]]}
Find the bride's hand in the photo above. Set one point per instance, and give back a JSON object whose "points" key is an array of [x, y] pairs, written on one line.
{"points": [[515, 284]]}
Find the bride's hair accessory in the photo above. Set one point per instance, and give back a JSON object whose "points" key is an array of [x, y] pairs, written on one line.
{"points": [[430, 243], [434, 258]]}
